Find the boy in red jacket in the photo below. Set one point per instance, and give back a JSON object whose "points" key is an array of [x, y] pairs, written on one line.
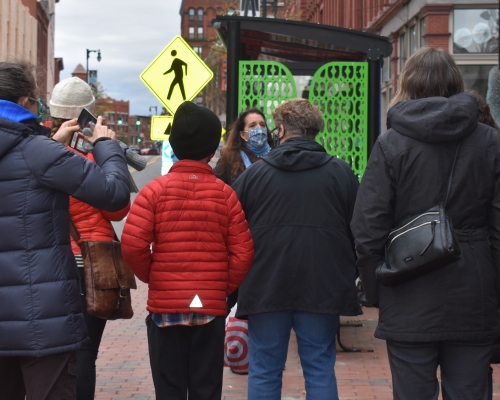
{"points": [[201, 252]]}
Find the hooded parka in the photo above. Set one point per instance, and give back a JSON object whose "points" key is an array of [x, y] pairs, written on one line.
{"points": [[407, 174], [40, 312], [298, 202]]}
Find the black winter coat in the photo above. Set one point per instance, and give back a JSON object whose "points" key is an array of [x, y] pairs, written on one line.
{"points": [[298, 202], [407, 174], [40, 306]]}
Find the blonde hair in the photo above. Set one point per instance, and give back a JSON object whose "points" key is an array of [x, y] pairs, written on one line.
{"points": [[299, 116], [428, 73]]}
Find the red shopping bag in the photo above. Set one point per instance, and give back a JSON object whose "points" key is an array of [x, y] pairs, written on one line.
{"points": [[236, 345]]}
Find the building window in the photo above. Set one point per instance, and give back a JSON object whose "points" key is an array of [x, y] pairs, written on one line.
{"points": [[191, 32], [422, 32], [386, 69], [475, 31], [197, 50], [476, 77], [403, 53], [413, 39], [200, 14], [200, 32], [191, 14]]}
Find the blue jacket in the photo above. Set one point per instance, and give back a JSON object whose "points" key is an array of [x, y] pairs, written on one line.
{"points": [[40, 309]]}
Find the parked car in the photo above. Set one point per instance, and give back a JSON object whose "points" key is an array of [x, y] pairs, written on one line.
{"points": [[149, 152], [135, 149]]}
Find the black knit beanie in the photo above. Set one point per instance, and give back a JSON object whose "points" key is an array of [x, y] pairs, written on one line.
{"points": [[196, 132]]}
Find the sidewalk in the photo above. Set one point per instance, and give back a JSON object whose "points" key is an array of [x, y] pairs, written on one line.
{"points": [[123, 370]]}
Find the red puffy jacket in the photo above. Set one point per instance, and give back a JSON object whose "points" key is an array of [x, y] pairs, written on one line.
{"points": [[92, 223], [201, 242]]}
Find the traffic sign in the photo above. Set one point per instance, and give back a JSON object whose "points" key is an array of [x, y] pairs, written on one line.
{"points": [[176, 75], [161, 127]]}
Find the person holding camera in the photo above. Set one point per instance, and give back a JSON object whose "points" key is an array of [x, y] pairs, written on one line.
{"points": [[70, 97], [41, 320]]}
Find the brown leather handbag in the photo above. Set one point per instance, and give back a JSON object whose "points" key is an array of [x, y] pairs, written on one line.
{"points": [[108, 279]]}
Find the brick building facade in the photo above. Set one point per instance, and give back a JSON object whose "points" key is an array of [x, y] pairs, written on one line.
{"points": [[196, 28], [27, 33], [139, 131], [468, 29]]}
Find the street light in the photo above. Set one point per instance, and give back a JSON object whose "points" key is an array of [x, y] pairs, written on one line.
{"points": [[88, 56], [155, 107]]}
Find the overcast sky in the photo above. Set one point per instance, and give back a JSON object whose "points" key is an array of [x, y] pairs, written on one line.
{"points": [[129, 33]]}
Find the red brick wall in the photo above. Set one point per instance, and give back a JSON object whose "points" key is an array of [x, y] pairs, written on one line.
{"points": [[42, 51], [211, 9], [31, 4], [437, 25]]}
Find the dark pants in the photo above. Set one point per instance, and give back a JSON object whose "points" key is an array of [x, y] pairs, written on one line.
{"points": [[38, 378], [464, 369], [87, 354], [187, 360]]}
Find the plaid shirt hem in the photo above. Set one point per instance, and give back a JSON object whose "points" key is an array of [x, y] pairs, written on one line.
{"points": [[187, 319]]}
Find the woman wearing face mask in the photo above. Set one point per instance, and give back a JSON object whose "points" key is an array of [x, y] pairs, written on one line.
{"points": [[248, 141]]}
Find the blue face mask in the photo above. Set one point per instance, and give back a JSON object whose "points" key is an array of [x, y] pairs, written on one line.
{"points": [[257, 137]]}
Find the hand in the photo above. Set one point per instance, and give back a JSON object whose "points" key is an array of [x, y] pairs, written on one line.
{"points": [[100, 131], [65, 132]]}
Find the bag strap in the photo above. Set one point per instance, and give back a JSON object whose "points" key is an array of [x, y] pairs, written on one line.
{"points": [[450, 179], [74, 232]]}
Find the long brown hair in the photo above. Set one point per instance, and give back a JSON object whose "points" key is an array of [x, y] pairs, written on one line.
{"points": [[56, 124], [428, 73], [230, 153], [484, 110]]}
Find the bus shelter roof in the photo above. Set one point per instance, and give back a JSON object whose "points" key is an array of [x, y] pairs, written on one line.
{"points": [[297, 41]]}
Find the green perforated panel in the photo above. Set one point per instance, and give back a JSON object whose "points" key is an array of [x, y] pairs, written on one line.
{"points": [[340, 91], [264, 85]]}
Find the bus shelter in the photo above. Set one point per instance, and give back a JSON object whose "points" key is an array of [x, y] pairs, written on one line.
{"points": [[339, 70]]}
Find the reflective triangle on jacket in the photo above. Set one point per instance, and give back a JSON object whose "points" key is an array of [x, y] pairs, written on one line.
{"points": [[196, 303]]}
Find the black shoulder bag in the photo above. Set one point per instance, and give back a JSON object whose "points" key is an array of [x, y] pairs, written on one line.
{"points": [[421, 244]]}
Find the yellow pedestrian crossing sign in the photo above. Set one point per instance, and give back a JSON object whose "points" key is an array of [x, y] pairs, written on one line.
{"points": [[176, 75], [161, 127]]}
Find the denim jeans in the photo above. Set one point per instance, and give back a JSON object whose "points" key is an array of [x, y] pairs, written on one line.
{"points": [[269, 334]]}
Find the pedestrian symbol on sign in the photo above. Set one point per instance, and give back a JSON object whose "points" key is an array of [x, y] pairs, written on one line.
{"points": [[168, 130], [166, 75], [177, 67], [161, 127]]}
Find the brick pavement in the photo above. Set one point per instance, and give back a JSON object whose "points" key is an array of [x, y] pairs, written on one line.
{"points": [[123, 370]]}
